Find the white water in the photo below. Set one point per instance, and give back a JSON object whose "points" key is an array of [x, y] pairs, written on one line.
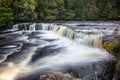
{"points": [[93, 40], [71, 53], [77, 49]]}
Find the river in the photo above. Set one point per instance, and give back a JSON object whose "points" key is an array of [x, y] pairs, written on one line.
{"points": [[29, 50]]}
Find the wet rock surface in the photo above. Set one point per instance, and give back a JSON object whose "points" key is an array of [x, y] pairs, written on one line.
{"points": [[112, 45]]}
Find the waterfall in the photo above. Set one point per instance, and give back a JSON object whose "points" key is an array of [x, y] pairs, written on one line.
{"points": [[90, 40], [62, 31], [94, 40], [32, 27], [15, 27], [69, 54], [41, 48]]}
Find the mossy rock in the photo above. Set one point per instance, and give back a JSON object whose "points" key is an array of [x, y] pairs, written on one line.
{"points": [[113, 48], [112, 45]]}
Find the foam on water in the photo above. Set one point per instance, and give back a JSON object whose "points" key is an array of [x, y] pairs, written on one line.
{"points": [[72, 54]]}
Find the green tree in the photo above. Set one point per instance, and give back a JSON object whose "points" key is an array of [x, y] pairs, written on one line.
{"points": [[69, 13], [81, 9], [118, 8], [107, 9], [29, 10], [25, 10], [6, 13], [50, 9], [93, 10]]}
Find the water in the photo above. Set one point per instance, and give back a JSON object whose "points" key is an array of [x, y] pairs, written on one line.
{"points": [[42, 48]]}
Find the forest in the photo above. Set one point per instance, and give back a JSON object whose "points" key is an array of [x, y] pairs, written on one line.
{"points": [[13, 11]]}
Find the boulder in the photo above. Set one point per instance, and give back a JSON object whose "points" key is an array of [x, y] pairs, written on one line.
{"points": [[112, 45]]}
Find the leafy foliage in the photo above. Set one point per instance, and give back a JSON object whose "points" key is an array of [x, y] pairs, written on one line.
{"points": [[25, 10], [29, 10], [113, 48], [6, 13], [107, 9]]}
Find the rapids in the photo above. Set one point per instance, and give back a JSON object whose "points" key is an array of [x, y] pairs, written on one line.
{"points": [[29, 50]]}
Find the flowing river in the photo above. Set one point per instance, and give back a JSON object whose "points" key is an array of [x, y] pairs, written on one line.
{"points": [[32, 49]]}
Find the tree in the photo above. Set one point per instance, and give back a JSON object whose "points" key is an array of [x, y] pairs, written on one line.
{"points": [[29, 10], [93, 10], [69, 13], [118, 7], [6, 13], [50, 9], [25, 10], [107, 9]]}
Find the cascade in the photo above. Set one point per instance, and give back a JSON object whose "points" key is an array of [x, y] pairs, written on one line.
{"points": [[15, 27], [94, 40], [90, 40], [40, 48], [62, 31], [32, 27]]}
